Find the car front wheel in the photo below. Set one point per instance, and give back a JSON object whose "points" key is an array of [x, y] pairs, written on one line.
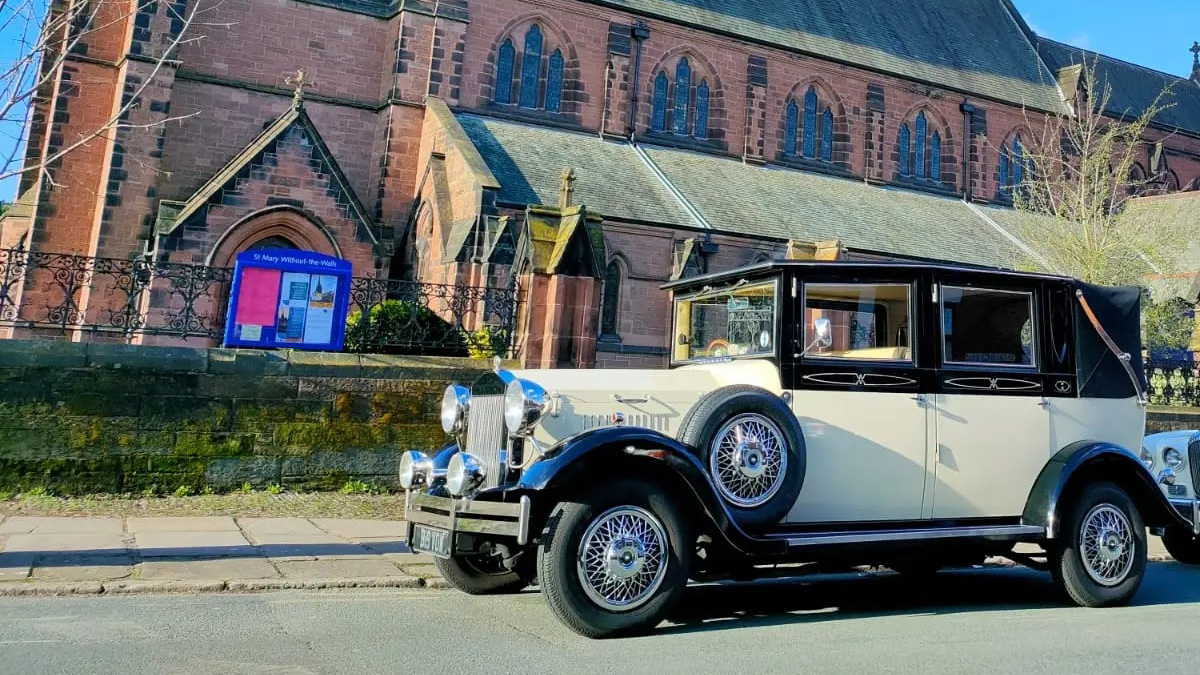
{"points": [[1101, 559], [1183, 546], [615, 561]]}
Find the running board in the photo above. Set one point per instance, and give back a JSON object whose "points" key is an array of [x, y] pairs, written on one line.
{"points": [[900, 536]]}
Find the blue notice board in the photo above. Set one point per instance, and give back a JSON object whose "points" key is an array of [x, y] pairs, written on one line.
{"points": [[288, 299]]}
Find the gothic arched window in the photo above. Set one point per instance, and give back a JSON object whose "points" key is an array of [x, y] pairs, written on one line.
{"points": [[791, 128], [554, 82], [935, 158], [658, 120], [904, 141], [531, 67], [700, 128], [810, 124], [1018, 162], [827, 136], [504, 72], [1005, 169], [922, 169], [683, 92], [611, 299]]}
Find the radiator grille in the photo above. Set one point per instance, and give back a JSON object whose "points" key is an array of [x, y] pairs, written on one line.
{"points": [[1194, 463], [486, 438]]}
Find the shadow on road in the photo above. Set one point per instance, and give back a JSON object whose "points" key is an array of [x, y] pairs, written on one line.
{"points": [[834, 597]]}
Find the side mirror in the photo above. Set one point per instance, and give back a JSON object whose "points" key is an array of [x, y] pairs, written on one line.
{"points": [[823, 333]]}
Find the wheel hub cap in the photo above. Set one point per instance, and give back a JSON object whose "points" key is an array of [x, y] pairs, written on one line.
{"points": [[748, 460], [623, 558], [1106, 545]]}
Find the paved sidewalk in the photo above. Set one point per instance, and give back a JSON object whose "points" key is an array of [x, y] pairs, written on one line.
{"points": [[115, 555], [76, 555]]}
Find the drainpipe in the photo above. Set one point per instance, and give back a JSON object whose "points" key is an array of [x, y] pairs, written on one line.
{"points": [[968, 111], [640, 32]]}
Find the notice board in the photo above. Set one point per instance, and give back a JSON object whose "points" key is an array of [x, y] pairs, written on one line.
{"points": [[288, 299]]}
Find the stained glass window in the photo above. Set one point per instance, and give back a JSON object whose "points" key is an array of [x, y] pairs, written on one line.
{"points": [[554, 82], [903, 140], [922, 168], [1018, 162], [827, 136], [935, 157], [791, 125], [611, 300], [504, 72], [1005, 169], [700, 129], [531, 67], [810, 124], [658, 120], [683, 91]]}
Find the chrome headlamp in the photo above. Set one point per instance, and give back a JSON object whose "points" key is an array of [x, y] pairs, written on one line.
{"points": [[464, 474], [416, 468], [1147, 458], [1173, 459], [455, 402], [524, 405]]}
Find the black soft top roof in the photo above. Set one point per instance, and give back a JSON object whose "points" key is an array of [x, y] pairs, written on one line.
{"points": [[766, 268]]}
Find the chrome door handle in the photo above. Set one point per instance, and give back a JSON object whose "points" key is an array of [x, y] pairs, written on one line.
{"points": [[1045, 402], [645, 398], [919, 398]]}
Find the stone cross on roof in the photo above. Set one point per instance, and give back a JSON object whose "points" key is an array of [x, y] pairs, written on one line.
{"points": [[299, 81], [1195, 50], [566, 190]]}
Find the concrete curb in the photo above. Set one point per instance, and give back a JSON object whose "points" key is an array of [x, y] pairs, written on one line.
{"points": [[127, 587]]}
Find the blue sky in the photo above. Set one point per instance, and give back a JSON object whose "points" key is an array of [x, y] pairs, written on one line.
{"points": [[1159, 39]]}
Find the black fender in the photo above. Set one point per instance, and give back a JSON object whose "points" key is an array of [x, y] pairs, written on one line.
{"points": [[1104, 461], [577, 459]]}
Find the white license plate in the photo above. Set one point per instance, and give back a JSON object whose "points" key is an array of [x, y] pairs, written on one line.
{"points": [[431, 540]]}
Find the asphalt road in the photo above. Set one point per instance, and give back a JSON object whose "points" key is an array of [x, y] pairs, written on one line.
{"points": [[989, 621]]}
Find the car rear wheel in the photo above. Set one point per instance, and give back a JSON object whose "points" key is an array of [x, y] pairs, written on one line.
{"points": [[1101, 559], [1183, 546], [485, 575], [615, 560]]}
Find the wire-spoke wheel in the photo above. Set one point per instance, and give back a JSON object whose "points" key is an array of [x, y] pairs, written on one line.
{"points": [[622, 558], [1100, 558], [614, 560], [1107, 544], [748, 460]]}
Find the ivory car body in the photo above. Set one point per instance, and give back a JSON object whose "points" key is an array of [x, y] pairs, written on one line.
{"points": [[908, 415]]}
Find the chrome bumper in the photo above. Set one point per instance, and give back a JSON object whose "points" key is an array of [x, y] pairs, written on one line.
{"points": [[1189, 509], [498, 519]]}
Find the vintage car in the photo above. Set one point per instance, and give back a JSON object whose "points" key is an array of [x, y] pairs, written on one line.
{"points": [[1174, 457], [912, 416]]}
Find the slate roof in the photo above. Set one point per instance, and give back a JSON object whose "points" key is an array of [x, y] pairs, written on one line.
{"points": [[972, 46], [731, 196], [1183, 210], [1134, 87]]}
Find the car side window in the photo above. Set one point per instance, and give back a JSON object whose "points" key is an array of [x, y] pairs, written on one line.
{"points": [[869, 322], [988, 327]]}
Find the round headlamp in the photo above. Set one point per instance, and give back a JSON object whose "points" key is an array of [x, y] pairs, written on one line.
{"points": [[1173, 458], [1147, 458], [464, 474], [415, 469], [524, 405], [455, 402]]}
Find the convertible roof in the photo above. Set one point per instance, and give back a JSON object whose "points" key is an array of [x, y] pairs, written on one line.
{"points": [[766, 268]]}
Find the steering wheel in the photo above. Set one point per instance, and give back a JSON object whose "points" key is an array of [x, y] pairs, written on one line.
{"points": [[720, 348]]}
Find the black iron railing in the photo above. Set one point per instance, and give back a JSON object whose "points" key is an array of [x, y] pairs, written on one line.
{"points": [[56, 295], [1173, 383]]}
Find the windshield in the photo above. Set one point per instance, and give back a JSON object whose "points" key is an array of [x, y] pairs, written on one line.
{"points": [[731, 322]]}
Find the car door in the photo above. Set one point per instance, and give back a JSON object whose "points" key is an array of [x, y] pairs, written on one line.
{"points": [[992, 422], [857, 395]]}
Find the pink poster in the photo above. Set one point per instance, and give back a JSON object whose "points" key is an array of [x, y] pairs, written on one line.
{"points": [[258, 296]]}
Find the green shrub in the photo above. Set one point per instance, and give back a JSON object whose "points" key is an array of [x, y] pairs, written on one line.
{"points": [[488, 342], [355, 487], [246, 488], [274, 488], [403, 327], [183, 490], [207, 490]]}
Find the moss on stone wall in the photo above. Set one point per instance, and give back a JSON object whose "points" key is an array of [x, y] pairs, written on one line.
{"points": [[115, 423]]}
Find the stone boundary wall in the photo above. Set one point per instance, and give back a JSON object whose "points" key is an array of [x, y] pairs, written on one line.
{"points": [[91, 417], [1162, 418]]}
